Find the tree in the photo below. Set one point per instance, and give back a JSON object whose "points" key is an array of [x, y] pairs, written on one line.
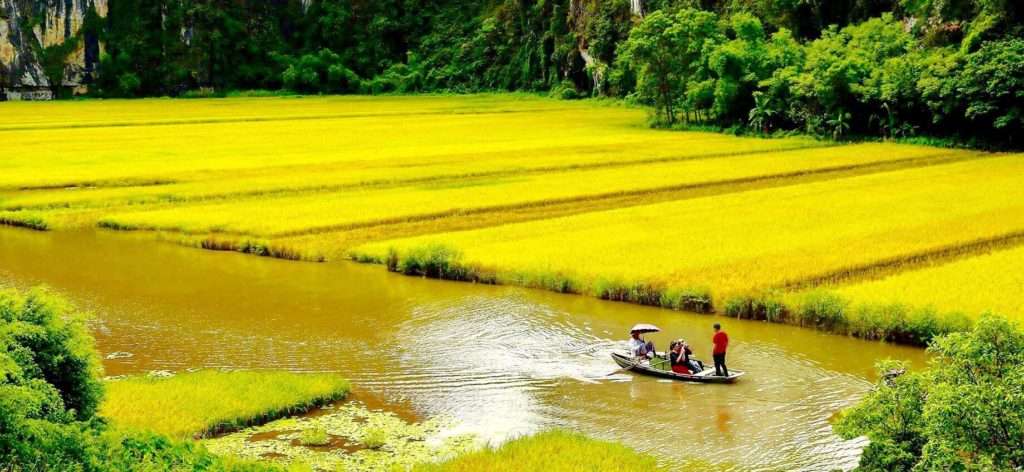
{"points": [[965, 412], [762, 113], [992, 85], [668, 52]]}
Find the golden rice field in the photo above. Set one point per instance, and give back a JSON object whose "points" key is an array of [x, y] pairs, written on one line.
{"points": [[567, 195], [991, 281], [747, 241]]}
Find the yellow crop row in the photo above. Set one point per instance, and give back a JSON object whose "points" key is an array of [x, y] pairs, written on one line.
{"points": [[751, 240], [319, 212], [253, 155], [424, 168], [68, 114], [992, 281]]}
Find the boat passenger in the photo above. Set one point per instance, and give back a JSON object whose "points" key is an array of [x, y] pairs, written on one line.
{"points": [[680, 357], [721, 343], [640, 348]]}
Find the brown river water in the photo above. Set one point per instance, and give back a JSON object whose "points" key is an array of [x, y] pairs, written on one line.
{"points": [[500, 361]]}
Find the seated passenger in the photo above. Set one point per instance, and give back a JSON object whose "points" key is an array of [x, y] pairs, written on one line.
{"points": [[639, 348], [680, 358]]}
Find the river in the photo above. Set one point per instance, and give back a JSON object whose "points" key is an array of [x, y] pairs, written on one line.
{"points": [[500, 361]]}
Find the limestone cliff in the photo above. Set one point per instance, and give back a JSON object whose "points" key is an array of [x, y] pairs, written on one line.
{"points": [[30, 28]]}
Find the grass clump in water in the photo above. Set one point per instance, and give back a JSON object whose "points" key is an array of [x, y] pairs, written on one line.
{"points": [[375, 437], [208, 402], [550, 451], [314, 437]]}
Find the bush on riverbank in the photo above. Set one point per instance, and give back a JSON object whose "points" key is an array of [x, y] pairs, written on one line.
{"points": [[550, 451], [209, 402], [965, 412], [49, 392]]}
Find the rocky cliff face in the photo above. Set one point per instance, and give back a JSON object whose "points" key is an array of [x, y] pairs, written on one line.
{"points": [[28, 28]]}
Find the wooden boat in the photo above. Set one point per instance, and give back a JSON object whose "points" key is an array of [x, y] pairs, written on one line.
{"points": [[659, 367]]}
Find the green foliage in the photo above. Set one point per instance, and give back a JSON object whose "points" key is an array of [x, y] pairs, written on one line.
{"points": [[49, 392], [823, 310], [966, 412], [47, 349], [992, 84], [322, 72], [668, 54], [896, 69]]}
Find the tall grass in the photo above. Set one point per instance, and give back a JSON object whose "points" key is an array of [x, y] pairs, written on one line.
{"points": [[208, 402], [553, 451]]}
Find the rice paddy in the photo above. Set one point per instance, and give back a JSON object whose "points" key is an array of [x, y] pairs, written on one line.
{"points": [[988, 282], [571, 196], [207, 402]]}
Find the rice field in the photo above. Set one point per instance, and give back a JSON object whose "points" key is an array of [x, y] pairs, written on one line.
{"points": [[577, 196], [207, 402], [992, 281], [749, 241]]}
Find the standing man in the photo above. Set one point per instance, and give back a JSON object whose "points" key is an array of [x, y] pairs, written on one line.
{"points": [[721, 342]]}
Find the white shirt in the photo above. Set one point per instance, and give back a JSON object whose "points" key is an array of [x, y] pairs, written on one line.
{"points": [[636, 345]]}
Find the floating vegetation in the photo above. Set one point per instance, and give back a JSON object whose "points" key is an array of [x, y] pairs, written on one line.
{"points": [[349, 437]]}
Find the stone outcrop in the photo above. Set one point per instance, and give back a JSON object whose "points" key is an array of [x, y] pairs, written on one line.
{"points": [[27, 27]]}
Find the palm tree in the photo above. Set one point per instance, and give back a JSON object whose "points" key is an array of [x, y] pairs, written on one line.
{"points": [[840, 124], [761, 114]]}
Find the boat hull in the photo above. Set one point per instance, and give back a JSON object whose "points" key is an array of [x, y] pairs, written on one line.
{"points": [[707, 376]]}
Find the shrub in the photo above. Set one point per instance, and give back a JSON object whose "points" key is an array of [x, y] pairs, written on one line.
{"points": [[694, 299], [431, 261], [43, 341], [823, 310], [765, 307], [965, 412], [49, 391]]}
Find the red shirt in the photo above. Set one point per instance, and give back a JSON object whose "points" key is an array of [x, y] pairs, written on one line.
{"points": [[721, 341]]}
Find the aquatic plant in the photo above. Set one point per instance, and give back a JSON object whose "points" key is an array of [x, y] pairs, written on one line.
{"points": [[314, 437], [361, 440], [208, 402]]}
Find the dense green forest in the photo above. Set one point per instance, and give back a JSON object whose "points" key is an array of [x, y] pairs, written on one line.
{"points": [[888, 68]]}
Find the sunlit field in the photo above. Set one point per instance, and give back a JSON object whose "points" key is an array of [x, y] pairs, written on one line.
{"points": [[987, 282], [575, 196], [762, 239]]}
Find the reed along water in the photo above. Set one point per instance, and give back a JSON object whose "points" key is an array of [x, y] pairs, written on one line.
{"points": [[500, 361]]}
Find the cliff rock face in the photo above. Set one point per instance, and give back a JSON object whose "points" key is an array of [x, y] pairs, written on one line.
{"points": [[28, 28]]}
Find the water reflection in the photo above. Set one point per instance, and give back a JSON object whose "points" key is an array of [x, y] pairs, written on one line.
{"points": [[502, 361]]}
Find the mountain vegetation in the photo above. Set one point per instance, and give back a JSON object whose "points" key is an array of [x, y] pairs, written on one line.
{"points": [[883, 68]]}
